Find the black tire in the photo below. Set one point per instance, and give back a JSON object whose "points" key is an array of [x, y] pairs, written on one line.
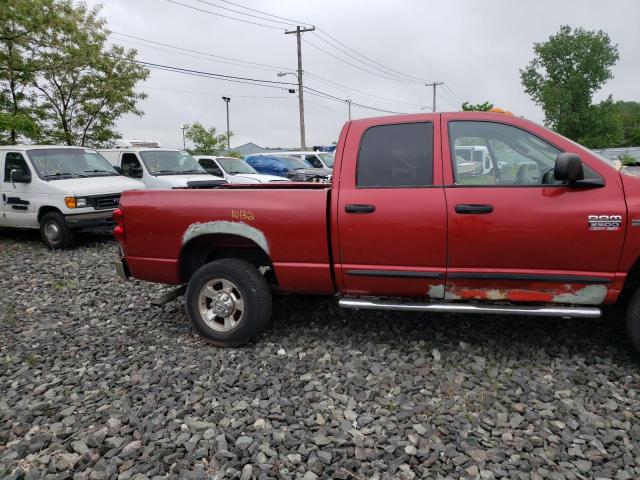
{"points": [[250, 287], [55, 222], [633, 319]]}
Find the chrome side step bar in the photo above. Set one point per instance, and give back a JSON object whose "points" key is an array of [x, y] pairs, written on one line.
{"points": [[582, 312]]}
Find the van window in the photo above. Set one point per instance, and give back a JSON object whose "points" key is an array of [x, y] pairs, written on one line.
{"points": [[131, 165], [313, 161], [210, 166], [398, 155], [14, 161]]}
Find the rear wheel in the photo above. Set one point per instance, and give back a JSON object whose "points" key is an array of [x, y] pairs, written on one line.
{"points": [[228, 302], [54, 231]]}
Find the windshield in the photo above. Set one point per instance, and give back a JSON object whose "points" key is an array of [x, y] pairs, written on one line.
{"points": [[59, 163], [327, 158], [234, 166], [294, 162], [170, 162]]}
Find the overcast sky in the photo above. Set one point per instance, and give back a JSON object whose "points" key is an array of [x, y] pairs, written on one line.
{"points": [[475, 47]]}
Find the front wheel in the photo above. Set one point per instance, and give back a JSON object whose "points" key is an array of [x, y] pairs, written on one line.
{"points": [[633, 319], [54, 231], [228, 302]]}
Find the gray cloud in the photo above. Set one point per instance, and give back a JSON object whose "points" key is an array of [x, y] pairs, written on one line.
{"points": [[475, 47]]}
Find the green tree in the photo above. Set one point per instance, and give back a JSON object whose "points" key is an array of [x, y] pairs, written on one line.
{"points": [[59, 81], [564, 74], [613, 124], [82, 101], [205, 141], [234, 154], [21, 25], [480, 107]]}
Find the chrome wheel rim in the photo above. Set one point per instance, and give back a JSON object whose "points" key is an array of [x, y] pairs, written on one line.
{"points": [[221, 305], [52, 232]]}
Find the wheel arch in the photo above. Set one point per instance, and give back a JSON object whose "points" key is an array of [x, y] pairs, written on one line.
{"points": [[47, 209], [205, 242], [631, 284]]}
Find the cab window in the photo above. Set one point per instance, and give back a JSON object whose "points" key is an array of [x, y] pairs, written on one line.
{"points": [[398, 155], [14, 161], [488, 153]]}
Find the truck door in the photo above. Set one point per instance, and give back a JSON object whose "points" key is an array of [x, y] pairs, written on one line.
{"points": [[391, 212], [17, 197], [515, 233]]}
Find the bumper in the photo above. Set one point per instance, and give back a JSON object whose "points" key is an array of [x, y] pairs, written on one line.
{"points": [[122, 269], [91, 222]]}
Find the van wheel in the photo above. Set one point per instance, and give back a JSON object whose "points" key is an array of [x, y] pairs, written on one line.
{"points": [[228, 302], [54, 231]]}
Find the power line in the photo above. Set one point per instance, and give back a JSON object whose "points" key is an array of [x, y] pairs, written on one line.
{"points": [[225, 16], [290, 20], [321, 31], [318, 93], [243, 13], [345, 87], [453, 93], [190, 92], [356, 66], [374, 67], [379, 69], [229, 78], [249, 64], [325, 107], [226, 60]]}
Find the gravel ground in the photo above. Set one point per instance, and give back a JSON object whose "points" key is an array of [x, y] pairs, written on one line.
{"points": [[96, 383]]}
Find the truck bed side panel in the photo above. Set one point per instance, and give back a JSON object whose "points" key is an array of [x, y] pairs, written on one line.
{"points": [[293, 222]]}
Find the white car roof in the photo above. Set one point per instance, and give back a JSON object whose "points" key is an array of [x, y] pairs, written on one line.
{"points": [[139, 149], [291, 152], [23, 148]]}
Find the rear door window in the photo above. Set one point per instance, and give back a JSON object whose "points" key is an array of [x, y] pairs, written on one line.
{"points": [[399, 155]]}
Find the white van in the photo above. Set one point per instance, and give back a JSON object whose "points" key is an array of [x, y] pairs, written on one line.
{"points": [[60, 190], [160, 168]]}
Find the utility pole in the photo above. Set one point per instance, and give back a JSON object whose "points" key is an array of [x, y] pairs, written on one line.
{"points": [[184, 141], [299, 31], [227, 100], [434, 85], [349, 103]]}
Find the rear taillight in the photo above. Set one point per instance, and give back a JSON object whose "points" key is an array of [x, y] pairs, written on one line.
{"points": [[118, 231]]}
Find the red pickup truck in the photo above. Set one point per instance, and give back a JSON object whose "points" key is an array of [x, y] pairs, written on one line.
{"points": [[450, 212]]}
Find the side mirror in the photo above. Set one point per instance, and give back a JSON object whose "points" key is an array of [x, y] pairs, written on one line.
{"points": [[20, 176], [568, 168], [136, 172]]}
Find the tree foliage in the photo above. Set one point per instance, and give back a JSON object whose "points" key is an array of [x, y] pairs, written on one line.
{"points": [[564, 74], [21, 26], [205, 141], [480, 107], [59, 81], [613, 124]]}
